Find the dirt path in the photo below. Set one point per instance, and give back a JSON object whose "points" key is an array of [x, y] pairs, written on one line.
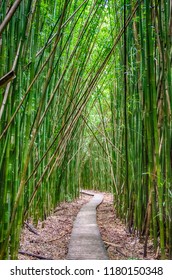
{"points": [[54, 233]]}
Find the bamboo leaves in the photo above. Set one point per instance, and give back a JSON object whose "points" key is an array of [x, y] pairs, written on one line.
{"points": [[90, 106]]}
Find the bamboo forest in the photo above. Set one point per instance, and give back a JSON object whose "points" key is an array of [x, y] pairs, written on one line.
{"points": [[86, 103]]}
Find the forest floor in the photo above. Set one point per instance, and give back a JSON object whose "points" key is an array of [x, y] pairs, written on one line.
{"points": [[53, 234]]}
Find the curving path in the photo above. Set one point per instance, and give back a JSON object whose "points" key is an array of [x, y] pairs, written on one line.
{"points": [[86, 242]]}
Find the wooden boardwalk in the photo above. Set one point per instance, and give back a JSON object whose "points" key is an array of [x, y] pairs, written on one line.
{"points": [[86, 242]]}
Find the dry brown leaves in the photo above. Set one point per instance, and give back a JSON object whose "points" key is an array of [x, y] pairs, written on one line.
{"points": [[120, 244], [54, 233]]}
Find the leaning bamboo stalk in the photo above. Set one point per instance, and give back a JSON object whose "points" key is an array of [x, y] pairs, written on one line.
{"points": [[63, 25], [26, 163], [9, 15], [7, 78], [7, 90]]}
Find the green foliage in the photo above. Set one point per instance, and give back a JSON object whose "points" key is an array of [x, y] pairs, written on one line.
{"points": [[90, 107]]}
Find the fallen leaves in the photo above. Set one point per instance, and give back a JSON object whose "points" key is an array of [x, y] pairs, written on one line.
{"points": [[120, 244], [54, 233]]}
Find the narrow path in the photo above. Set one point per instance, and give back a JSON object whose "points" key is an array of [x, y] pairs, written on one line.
{"points": [[86, 242]]}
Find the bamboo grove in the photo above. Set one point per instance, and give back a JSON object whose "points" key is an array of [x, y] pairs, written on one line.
{"points": [[85, 102]]}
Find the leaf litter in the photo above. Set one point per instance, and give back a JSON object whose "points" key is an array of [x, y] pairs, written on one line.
{"points": [[53, 234]]}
